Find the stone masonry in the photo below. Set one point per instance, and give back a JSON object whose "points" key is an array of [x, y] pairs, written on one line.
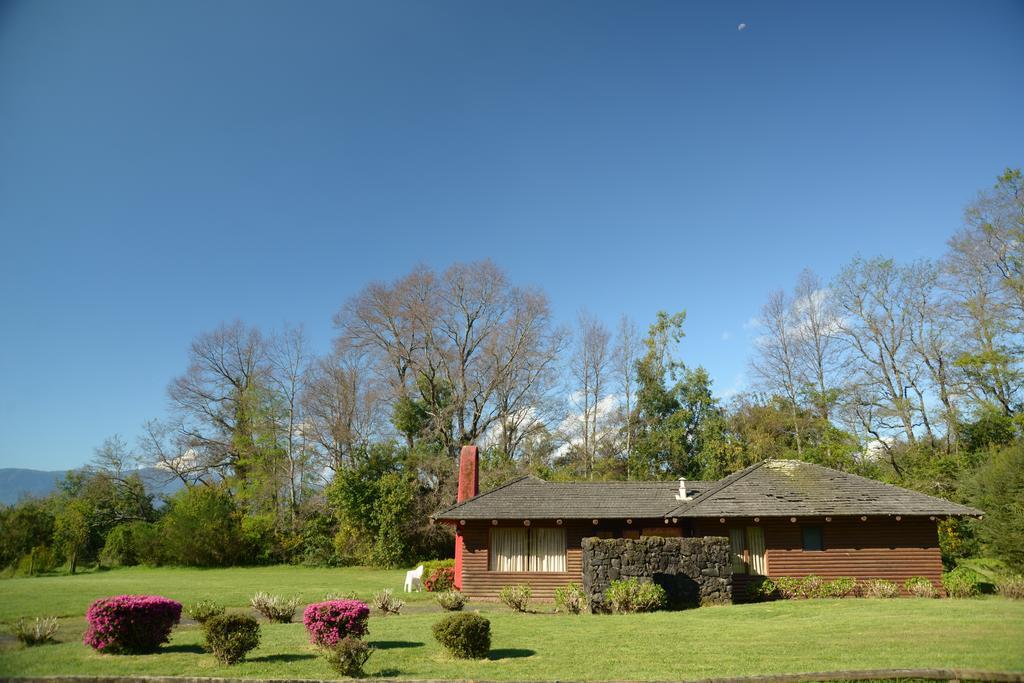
{"points": [[693, 571]]}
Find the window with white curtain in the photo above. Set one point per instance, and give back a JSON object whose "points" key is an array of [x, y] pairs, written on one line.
{"points": [[516, 549], [747, 547], [547, 550]]}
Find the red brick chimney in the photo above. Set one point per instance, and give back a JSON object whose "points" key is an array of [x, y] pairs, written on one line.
{"points": [[469, 473], [469, 486]]}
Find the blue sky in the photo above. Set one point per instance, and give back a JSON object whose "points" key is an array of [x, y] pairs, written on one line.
{"points": [[165, 166]]}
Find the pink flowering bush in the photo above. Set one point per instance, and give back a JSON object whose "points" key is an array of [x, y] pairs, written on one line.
{"points": [[330, 622], [131, 623]]}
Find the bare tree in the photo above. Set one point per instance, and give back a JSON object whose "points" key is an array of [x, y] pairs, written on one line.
{"points": [[216, 401], [876, 330], [817, 350], [289, 362], [344, 408], [931, 335], [525, 357], [777, 362], [450, 345], [589, 370], [628, 348]]}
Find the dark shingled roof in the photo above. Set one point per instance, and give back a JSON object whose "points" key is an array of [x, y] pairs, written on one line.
{"points": [[533, 498], [791, 487], [772, 488]]}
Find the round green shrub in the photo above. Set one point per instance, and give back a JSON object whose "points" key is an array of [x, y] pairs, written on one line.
{"points": [[569, 599], [348, 656], [516, 597], [466, 636], [961, 583], [204, 610], [843, 587], [627, 596], [920, 587], [880, 588], [761, 590], [230, 636], [452, 601]]}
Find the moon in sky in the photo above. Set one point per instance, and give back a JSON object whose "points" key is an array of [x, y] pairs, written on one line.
{"points": [[741, 27]]}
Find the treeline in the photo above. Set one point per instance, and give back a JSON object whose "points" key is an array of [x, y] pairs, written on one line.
{"points": [[908, 372]]}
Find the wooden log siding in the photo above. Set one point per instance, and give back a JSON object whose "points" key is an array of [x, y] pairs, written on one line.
{"points": [[478, 582], [878, 548]]}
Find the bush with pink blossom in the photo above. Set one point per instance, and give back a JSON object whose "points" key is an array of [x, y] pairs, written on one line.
{"points": [[332, 621], [131, 623]]}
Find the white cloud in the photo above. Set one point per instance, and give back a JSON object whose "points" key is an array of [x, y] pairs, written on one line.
{"points": [[726, 335], [753, 322]]}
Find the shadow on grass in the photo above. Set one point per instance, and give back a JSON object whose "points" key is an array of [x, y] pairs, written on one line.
{"points": [[280, 658], [394, 644], [390, 673], [510, 653], [191, 649]]}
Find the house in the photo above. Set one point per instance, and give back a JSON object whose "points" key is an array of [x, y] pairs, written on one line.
{"points": [[782, 517]]}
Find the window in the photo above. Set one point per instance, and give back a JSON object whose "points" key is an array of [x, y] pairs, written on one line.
{"points": [[812, 538], [747, 550], [527, 550]]}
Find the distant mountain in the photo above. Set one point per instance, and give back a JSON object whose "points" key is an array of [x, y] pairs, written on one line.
{"points": [[16, 483]]}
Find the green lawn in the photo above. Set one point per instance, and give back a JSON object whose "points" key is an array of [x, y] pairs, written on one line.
{"points": [[737, 640]]}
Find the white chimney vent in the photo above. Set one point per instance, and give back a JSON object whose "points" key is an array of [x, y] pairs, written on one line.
{"points": [[682, 495]]}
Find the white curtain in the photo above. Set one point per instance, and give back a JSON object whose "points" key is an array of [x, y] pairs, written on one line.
{"points": [[738, 544], [547, 550], [755, 544], [508, 550]]}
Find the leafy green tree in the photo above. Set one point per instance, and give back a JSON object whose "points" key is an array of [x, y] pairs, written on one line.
{"points": [[23, 527], [679, 422], [202, 528], [997, 488]]}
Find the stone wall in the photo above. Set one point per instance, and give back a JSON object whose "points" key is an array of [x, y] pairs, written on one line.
{"points": [[693, 571]]}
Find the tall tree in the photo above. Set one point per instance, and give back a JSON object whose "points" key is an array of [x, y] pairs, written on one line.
{"points": [[589, 370], [777, 360], [624, 359]]}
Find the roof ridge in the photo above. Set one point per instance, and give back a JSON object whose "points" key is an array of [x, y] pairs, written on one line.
{"points": [[508, 483], [724, 483]]}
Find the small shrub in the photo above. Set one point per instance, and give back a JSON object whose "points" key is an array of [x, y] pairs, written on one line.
{"points": [[516, 597], [843, 587], [204, 610], [1011, 587], [348, 656], [39, 631], [762, 590], [330, 622], [627, 596], [333, 597], [274, 607], [789, 588], [453, 601], [569, 598], [466, 636], [387, 603], [920, 587], [131, 623], [442, 579], [230, 636], [961, 583], [811, 586], [880, 588]]}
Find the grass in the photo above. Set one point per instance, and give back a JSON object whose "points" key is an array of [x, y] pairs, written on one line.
{"points": [[737, 640]]}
